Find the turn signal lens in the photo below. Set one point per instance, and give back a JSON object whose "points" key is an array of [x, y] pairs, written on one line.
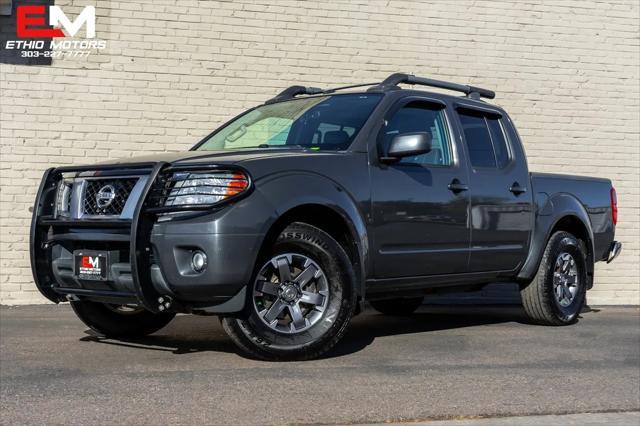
{"points": [[238, 184]]}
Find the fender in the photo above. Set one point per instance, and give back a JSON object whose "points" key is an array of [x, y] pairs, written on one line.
{"points": [[555, 208], [287, 191]]}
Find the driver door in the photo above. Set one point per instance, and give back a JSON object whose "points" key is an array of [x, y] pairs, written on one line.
{"points": [[421, 226]]}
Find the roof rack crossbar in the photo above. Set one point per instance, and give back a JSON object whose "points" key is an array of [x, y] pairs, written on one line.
{"points": [[335, 89], [389, 83], [397, 78], [293, 91]]}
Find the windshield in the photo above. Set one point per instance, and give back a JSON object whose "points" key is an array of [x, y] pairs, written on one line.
{"points": [[318, 123]]}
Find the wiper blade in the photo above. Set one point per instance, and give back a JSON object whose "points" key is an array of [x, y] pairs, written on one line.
{"points": [[264, 145]]}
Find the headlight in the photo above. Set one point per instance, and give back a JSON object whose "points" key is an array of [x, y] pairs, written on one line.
{"points": [[63, 198], [194, 188]]}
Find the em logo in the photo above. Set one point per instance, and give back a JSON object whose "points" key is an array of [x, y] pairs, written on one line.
{"points": [[31, 22]]}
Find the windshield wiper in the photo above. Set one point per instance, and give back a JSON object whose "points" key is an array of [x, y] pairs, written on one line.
{"points": [[264, 145]]}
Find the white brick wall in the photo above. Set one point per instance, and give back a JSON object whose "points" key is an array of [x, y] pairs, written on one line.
{"points": [[568, 73]]}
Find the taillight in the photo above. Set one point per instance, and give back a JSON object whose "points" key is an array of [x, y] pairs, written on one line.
{"points": [[614, 205]]}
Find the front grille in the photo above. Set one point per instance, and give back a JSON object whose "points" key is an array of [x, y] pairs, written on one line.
{"points": [[107, 196]]}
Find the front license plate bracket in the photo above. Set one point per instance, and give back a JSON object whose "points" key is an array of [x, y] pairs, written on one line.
{"points": [[91, 265]]}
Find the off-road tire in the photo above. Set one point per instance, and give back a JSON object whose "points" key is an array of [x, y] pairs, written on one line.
{"points": [[403, 306], [258, 340], [538, 297], [108, 322]]}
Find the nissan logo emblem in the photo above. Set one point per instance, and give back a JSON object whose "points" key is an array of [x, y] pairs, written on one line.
{"points": [[105, 196]]}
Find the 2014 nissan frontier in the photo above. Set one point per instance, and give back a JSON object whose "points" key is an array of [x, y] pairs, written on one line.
{"points": [[284, 220]]}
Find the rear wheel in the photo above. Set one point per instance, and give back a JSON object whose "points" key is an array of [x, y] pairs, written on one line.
{"points": [[301, 300], [404, 306], [557, 293], [120, 320]]}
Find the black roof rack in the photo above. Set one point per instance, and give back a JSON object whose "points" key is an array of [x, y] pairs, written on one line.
{"points": [[390, 83], [335, 89], [393, 80], [293, 91]]}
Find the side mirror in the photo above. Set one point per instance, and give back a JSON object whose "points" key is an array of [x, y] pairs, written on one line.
{"points": [[408, 145]]}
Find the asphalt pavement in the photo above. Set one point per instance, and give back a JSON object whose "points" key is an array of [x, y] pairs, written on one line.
{"points": [[460, 363]]}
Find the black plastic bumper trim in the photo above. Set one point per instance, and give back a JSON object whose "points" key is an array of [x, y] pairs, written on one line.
{"points": [[102, 296], [97, 293], [233, 305]]}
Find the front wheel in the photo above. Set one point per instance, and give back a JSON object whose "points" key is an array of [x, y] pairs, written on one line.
{"points": [[120, 320], [557, 293], [301, 300]]}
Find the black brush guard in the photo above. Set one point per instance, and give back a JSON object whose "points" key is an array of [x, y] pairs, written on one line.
{"points": [[140, 226]]}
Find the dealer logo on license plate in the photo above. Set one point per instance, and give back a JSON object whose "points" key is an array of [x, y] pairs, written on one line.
{"points": [[89, 262], [90, 267]]}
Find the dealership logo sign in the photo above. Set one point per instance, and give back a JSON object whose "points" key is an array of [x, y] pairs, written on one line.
{"points": [[34, 16], [32, 23]]}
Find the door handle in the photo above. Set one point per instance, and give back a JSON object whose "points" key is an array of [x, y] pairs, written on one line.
{"points": [[456, 186], [517, 189]]}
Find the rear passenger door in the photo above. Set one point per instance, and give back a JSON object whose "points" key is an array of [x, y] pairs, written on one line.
{"points": [[501, 200]]}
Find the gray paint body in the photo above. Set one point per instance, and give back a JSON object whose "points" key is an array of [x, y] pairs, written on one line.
{"points": [[410, 231]]}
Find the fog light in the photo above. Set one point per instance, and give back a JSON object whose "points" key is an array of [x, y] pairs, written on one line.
{"points": [[198, 261]]}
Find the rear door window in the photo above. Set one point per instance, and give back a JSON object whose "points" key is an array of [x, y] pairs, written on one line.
{"points": [[485, 139], [499, 141]]}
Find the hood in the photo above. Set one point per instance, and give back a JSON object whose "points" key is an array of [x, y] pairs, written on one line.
{"points": [[270, 159], [223, 157]]}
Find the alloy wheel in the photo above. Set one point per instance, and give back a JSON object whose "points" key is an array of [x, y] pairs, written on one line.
{"points": [[291, 293], [565, 279]]}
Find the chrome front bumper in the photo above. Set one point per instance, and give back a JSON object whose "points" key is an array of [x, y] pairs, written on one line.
{"points": [[614, 251]]}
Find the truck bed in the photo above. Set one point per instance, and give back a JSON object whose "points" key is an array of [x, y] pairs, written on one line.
{"points": [[593, 193]]}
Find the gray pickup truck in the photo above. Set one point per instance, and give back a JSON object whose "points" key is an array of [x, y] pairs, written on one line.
{"points": [[284, 220]]}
